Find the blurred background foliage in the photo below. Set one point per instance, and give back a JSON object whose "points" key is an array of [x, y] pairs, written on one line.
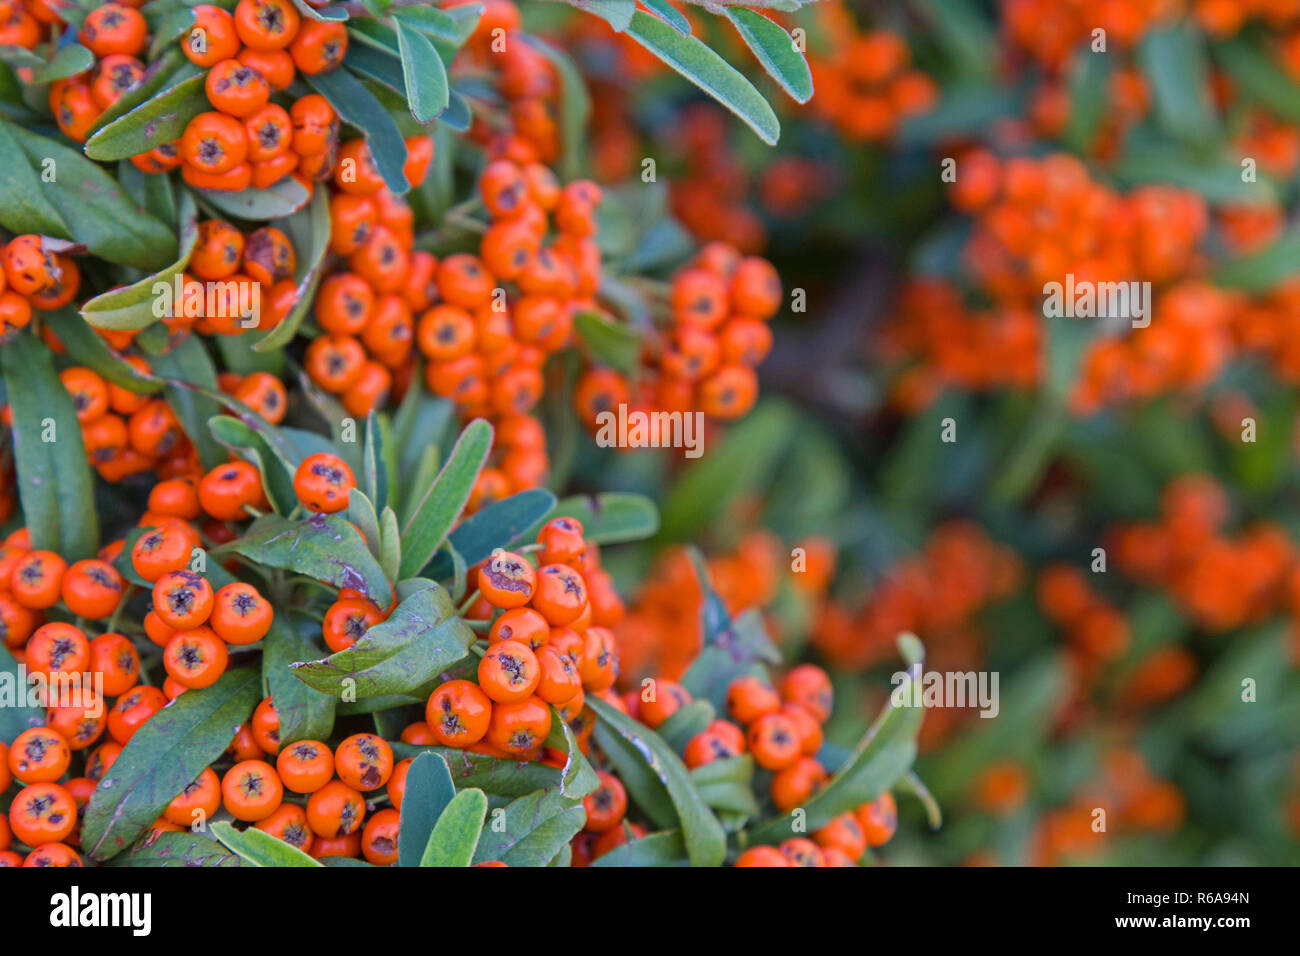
{"points": [[1163, 148]]}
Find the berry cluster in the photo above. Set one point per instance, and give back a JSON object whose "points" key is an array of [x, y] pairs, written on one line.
{"points": [[719, 307], [866, 84], [37, 275], [117, 34], [247, 139]]}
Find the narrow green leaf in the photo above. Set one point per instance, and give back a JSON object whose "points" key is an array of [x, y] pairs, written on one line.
{"points": [[535, 829], [617, 13], [775, 49], [1259, 76], [163, 757], [188, 364], [455, 836], [390, 543], [693, 59], [659, 782], [146, 301], [361, 512], [1175, 63], [445, 499], [403, 655], [17, 714], [502, 524], [97, 212], [164, 848], [425, 77], [259, 205], [54, 482], [88, 348], [612, 517], [610, 343], [728, 785], [160, 119], [428, 791], [577, 778], [324, 547], [260, 848], [305, 713], [358, 107], [657, 849], [24, 204]]}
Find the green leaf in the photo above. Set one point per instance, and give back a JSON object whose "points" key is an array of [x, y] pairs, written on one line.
{"points": [[693, 59], [403, 655], [191, 384], [659, 783], [358, 107], [502, 524], [260, 848], [500, 777], [428, 791], [617, 13], [156, 194], [425, 77], [92, 204], [742, 463], [610, 343], [308, 230], [1258, 76], [24, 203], [166, 848], [374, 470], [419, 422], [67, 61], [577, 778], [688, 721], [775, 49], [133, 306], [445, 499], [390, 543], [160, 119], [259, 205], [305, 713], [735, 648], [1217, 179], [54, 482], [16, 714], [536, 828], [1174, 61], [657, 849], [727, 785], [167, 72], [88, 348], [361, 512], [376, 63], [167, 32], [432, 21], [277, 476], [456, 834], [612, 517], [1089, 86], [667, 12], [330, 14], [323, 547], [166, 754], [1261, 271]]}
